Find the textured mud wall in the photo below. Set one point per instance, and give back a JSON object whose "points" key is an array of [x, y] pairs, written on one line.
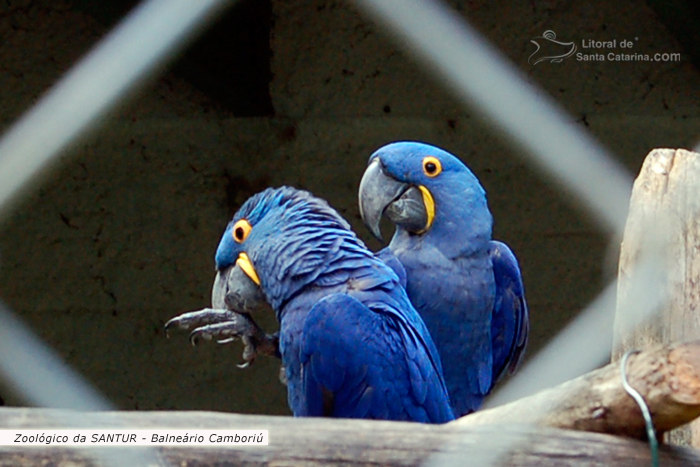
{"points": [[122, 236]]}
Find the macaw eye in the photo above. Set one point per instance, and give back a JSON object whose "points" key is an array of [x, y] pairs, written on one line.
{"points": [[432, 166], [240, 230]]}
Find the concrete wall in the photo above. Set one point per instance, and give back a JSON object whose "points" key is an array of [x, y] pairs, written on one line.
{"points": [[121, 237]]}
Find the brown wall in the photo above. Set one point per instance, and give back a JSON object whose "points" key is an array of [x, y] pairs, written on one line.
{"points": [[121, 237]]}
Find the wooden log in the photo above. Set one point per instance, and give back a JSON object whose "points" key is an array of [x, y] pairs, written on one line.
{"points": [[666, 201], [315, 442], [519, 433], [668, 378]]}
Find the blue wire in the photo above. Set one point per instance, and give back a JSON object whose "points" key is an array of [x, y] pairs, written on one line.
{"points": [[651, 433]]}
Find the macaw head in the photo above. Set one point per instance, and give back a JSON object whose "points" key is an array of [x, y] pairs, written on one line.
{"points": [[424, 191], [278, 242]]}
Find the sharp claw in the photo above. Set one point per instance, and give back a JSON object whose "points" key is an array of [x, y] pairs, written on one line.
{"points": [[197, 335], [171, 324], [225, 326], [249, 352], [198, 318]]}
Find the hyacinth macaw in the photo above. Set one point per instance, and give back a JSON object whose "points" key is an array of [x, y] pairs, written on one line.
{"points": [[351, 344], [466, 286]]}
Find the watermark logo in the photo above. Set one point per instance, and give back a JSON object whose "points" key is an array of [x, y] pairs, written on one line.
{"points": [[592, 50], [550, 49]]}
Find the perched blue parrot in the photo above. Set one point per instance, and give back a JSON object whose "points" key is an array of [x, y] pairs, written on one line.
{"points": [[350, 341], [467, 287]]}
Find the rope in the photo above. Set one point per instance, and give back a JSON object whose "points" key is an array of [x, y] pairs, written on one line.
{"points": [[651, 433]]}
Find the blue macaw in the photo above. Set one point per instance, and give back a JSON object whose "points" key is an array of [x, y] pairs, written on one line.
{"points": [[467, 287], [350, 341]]}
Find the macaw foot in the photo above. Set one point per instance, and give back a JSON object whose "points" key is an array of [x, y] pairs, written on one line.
{"points": [[226, 326]]}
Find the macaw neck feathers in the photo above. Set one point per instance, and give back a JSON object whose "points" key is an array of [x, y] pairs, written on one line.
{"points": [[306, 243]]}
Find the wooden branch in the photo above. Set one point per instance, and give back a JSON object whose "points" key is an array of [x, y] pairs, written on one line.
{"points": [[664, 202], [315, 442], [519, 433], [668, 379]]}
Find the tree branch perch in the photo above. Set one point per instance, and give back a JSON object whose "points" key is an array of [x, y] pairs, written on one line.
{"points": [[316, 442], [517, 434], [668, 378]]}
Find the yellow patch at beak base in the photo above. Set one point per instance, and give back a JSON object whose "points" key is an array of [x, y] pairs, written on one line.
{"points": [[429, 203], [244, 263]]}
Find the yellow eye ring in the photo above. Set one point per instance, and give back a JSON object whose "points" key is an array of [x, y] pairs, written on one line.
{"points": [[240, 230], [432, 166]]}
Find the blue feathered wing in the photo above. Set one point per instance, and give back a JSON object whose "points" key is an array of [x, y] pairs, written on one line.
{"points": [[367, 363], [510, 321]]}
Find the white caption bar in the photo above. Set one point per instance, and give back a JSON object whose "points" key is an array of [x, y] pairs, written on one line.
{"points": [[148, 437]]}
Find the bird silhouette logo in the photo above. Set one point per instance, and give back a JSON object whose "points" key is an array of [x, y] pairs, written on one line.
{"points": [[548, 48]]}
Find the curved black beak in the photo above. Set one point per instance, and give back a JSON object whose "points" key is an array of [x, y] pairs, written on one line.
{"points": [[382, 194], [234, 290]]}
